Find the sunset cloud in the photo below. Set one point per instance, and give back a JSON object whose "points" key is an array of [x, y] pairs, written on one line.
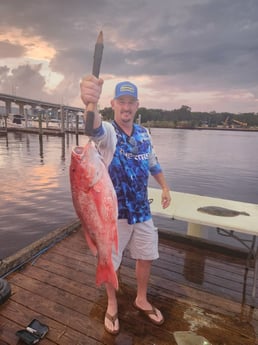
{"points": [[199, 53]]}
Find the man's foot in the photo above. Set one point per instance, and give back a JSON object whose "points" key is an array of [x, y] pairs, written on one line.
{"points": [[153, 314], [111, 323]]}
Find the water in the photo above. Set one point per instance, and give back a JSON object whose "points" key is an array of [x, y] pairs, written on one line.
{"points": [[35, 187], [219, 164]]}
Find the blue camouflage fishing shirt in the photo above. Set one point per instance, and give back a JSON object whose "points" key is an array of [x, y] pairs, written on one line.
{"points": [[129, 170]]}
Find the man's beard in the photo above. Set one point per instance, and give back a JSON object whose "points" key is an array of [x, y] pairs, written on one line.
{"points": [[128, 117]]}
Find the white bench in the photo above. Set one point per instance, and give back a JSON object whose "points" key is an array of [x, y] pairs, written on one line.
{"points": [[184, 207]]}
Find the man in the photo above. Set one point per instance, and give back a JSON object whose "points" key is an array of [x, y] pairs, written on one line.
{"points": [[128, 153]]}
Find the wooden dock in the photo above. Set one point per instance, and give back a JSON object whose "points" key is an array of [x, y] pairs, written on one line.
{"points": [[198, 288], [34, 130], [3, 131]]}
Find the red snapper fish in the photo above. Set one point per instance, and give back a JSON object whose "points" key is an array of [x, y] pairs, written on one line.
{"points": [[95, 203]]}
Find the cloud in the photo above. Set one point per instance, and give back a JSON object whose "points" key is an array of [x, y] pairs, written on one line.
{"points": [[9, 50], [200, 52]]}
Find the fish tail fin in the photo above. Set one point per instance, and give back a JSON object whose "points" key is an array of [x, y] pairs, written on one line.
{"points": [[106, 274]]}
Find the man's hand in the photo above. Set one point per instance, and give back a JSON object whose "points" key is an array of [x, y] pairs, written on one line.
{"points": [[165, 198], [91, 88]]}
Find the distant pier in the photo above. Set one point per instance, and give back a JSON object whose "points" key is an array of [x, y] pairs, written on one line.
{"points": [[36, 116]]}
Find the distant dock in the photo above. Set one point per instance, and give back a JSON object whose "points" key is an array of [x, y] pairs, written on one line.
{"points": [[36, 116]]}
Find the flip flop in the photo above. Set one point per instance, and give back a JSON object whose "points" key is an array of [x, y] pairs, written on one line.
{"points": [[148, 313], [113, 320]]}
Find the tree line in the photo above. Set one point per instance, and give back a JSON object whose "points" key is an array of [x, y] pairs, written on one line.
{"points": [[184, 117]]}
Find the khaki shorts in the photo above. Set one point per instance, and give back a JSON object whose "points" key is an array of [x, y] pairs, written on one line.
{"points": [[141, 239]]}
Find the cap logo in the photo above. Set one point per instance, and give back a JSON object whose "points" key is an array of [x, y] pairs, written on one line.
{"points": [[126, 88]]}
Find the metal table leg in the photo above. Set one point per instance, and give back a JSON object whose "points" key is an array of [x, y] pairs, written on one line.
{"points": [[255, 274]]}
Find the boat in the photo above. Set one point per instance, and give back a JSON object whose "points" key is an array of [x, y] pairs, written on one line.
{"points": [[15, 121]]}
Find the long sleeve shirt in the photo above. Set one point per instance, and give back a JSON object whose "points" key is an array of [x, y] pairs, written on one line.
{"points": [[130, 160]]}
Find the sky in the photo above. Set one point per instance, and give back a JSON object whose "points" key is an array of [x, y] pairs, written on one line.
{"points": [[199, 53]]}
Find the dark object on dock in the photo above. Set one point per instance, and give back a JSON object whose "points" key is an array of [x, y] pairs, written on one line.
{"points": [[5, 290], [33, 332], [221, 211]]}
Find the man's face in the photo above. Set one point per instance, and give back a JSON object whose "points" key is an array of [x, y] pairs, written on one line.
{"points": [[124, 108]]}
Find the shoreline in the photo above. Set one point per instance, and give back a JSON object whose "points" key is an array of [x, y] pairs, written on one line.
{"points": [[221, 129], [59, 132]]}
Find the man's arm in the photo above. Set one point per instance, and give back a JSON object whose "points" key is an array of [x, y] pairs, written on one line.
{"points": [[165, 196]]}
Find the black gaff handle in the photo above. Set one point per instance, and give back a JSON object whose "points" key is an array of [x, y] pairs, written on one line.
{"points": [[90, 115], [89, 122]]}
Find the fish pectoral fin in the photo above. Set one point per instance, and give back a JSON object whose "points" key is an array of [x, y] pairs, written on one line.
{"points": [[97, 188]]}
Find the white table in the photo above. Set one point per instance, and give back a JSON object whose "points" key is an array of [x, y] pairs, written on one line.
{"points": [[184, 206]]}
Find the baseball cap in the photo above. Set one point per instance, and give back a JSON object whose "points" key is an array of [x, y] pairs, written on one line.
{"points": [[125, 88]]}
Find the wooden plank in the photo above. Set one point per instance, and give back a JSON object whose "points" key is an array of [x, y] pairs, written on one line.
{"points": [[59, 289], [57, 310], [25, 254], [58, 332], [86, 320], [63, 311]]}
